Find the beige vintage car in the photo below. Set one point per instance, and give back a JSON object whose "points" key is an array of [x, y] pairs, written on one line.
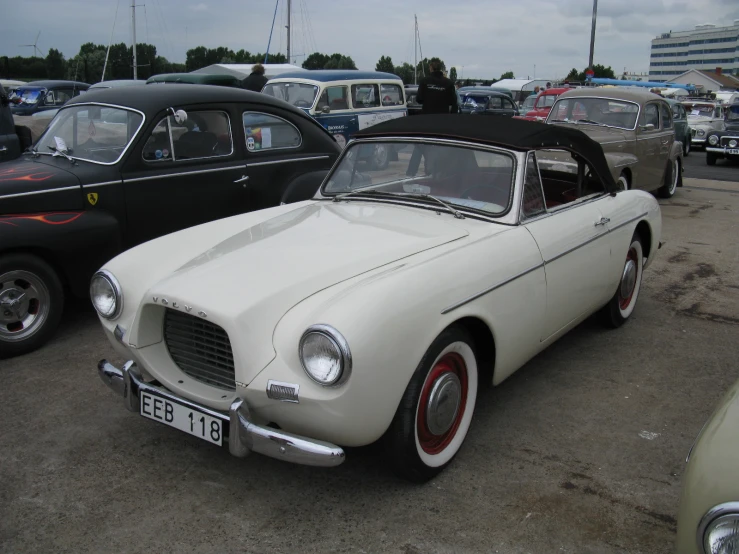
{"points": [[635, 129], [704, 117], [708, 518]]}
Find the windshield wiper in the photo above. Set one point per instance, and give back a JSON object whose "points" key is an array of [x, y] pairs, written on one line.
{"points": [[560, 121], [457, 214], [58, 152], [591, 122]]}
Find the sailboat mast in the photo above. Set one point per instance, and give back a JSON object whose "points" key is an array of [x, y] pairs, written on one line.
{"points": [[289, 6], [415, 51], [133, 22]]}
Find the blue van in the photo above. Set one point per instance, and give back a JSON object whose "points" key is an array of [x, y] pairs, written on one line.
{"points": [[343, 101]]}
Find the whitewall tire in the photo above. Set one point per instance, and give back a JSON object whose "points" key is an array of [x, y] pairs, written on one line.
{"points": [[622, 304]]}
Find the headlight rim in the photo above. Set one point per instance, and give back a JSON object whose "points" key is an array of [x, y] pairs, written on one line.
{"points": [[718, 511], [342, 345], [701, 132], [108, 276], [713, 137], [735, 143]]}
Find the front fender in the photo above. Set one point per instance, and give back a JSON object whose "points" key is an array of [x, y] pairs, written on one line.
{"points": [[75, 242]]}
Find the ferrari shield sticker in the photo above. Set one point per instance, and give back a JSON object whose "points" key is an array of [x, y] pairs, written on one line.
{"points": [[92, 198]]}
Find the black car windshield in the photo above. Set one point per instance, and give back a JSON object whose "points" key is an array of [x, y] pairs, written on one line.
{"points": [[733, 113], [300, 95], [474, 100], [463, 177], [99, 134], [595, 111], [27, 95]]}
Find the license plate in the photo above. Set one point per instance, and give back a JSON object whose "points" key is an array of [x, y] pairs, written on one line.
{"points": [[734, 151], [184, 418]]}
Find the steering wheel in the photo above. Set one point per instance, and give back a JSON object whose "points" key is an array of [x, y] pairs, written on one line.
{"points": [[302, 104]]}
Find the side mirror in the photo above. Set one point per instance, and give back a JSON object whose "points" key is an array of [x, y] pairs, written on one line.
{"points": [[325, 109], [647, 127]]}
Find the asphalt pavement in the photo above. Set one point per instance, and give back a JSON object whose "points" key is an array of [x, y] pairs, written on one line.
{"points": [[696, 167], [580, 451]]}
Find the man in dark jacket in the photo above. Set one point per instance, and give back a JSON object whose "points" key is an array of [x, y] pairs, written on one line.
{"points": [[436, 93], [256, 80]]}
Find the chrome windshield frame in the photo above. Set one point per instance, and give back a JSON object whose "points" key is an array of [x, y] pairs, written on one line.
{"points": [[104, 105], [574, 122]]}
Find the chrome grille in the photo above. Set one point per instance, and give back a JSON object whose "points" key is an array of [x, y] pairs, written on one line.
{"points": [[692, 132], [200, 348], [725, 140]]}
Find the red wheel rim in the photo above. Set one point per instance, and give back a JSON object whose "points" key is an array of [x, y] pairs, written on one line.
{"points": [[449, 363], [625, 299]]}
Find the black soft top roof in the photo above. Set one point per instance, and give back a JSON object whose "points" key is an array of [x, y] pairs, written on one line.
{"points": [[506, 132]]}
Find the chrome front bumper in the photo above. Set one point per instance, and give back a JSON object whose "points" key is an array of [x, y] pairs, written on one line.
{"points": [[720, 150], [244, 436]]}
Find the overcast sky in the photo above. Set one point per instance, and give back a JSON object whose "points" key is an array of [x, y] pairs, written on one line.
{"points": [[483, 38]]}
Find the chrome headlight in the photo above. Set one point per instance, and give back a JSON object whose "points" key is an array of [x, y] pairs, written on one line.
{"points": [[701, 132], [713, 140], [106, 294], [732, 144], [324, 355], [718, 531]]}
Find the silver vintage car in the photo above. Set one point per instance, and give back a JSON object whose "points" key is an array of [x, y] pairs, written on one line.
{"points": [[703, 117], [635, 129]]}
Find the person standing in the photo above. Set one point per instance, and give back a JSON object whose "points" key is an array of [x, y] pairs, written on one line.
{"points": [[436, 93], [256, 80]]}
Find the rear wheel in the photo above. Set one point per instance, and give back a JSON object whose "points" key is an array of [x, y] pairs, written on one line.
{"points": [[435, 412], [621, 306], [672, 179], [623, 182], [31, 302]]}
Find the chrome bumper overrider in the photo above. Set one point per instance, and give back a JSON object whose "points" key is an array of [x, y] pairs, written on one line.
{"points": [[244, 436]]}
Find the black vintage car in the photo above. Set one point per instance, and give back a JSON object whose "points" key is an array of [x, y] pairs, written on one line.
{"points": [[39, 96], [724, 144], [118, 167], [13, 138], [484, 101]]}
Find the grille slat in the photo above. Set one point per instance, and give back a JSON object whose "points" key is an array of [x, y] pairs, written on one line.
{"points": [[201, 349]]}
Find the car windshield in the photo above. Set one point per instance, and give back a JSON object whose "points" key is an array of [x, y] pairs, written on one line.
{"points": [[98, 134], [595, 111], [546, 100], [474, 100], [733, 113], [300, 95], [460, 176], [529, 102], [700, 111], [28, 95]]}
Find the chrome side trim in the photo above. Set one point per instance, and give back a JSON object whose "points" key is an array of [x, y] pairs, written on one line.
{"points": [[591, 239], [104, 184], [244, 436], [489, 289], [289, 160], [181, 173], [17, 194], [611, 229], [711, 515]]}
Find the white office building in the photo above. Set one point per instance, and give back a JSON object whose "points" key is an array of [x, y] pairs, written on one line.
{"points": [[706, 47]]}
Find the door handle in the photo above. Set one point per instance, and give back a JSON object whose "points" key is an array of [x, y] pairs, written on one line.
{"points": [[243, 179], [603, 221]]}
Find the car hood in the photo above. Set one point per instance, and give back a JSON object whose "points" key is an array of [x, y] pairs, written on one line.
{"points": [[27, 174], [251, 279]]}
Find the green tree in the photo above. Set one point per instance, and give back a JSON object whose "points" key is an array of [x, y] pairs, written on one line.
{"points": [[405, 72], [55, 65], [385, 64], [316, 61], [339, 61], [573, 75], [196, 58], [453, 74], [507, 75], [423, 66]]}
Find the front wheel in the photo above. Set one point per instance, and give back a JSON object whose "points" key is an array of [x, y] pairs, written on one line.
{"points": [[621, 305], [31, 302], [711, 158], [436, 409]]}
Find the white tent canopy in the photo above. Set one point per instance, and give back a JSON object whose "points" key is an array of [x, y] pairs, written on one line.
{"points": [[518, 85], [242, 70]]}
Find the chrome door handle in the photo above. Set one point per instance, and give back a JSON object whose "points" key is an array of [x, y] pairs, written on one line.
{"points": [[603, 221], [243, 178]]}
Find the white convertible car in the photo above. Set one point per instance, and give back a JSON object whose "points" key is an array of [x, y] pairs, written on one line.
{"points": [[376, 309]]}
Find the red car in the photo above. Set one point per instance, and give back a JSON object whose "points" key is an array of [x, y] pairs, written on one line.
{"points": [[544, 102]]}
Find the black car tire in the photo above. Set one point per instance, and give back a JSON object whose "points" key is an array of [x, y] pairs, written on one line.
{"points": [[672, 180], [686, 147], [41, 306], [415, 451], [711, 158], [621, 305]]}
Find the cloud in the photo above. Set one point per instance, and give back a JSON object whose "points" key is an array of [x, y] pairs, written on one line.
{"points": [[199, 7]]}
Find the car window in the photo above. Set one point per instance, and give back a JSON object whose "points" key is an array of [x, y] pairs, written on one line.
{"points": [[533, 195], [508, 104], [651, 115], [365, 96], [495, 103], [546, 101], [300, 95], [391, 95], [666, 116], [269, 132], [676, 111], [203, 134], [63, 95], [336, 98]]}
